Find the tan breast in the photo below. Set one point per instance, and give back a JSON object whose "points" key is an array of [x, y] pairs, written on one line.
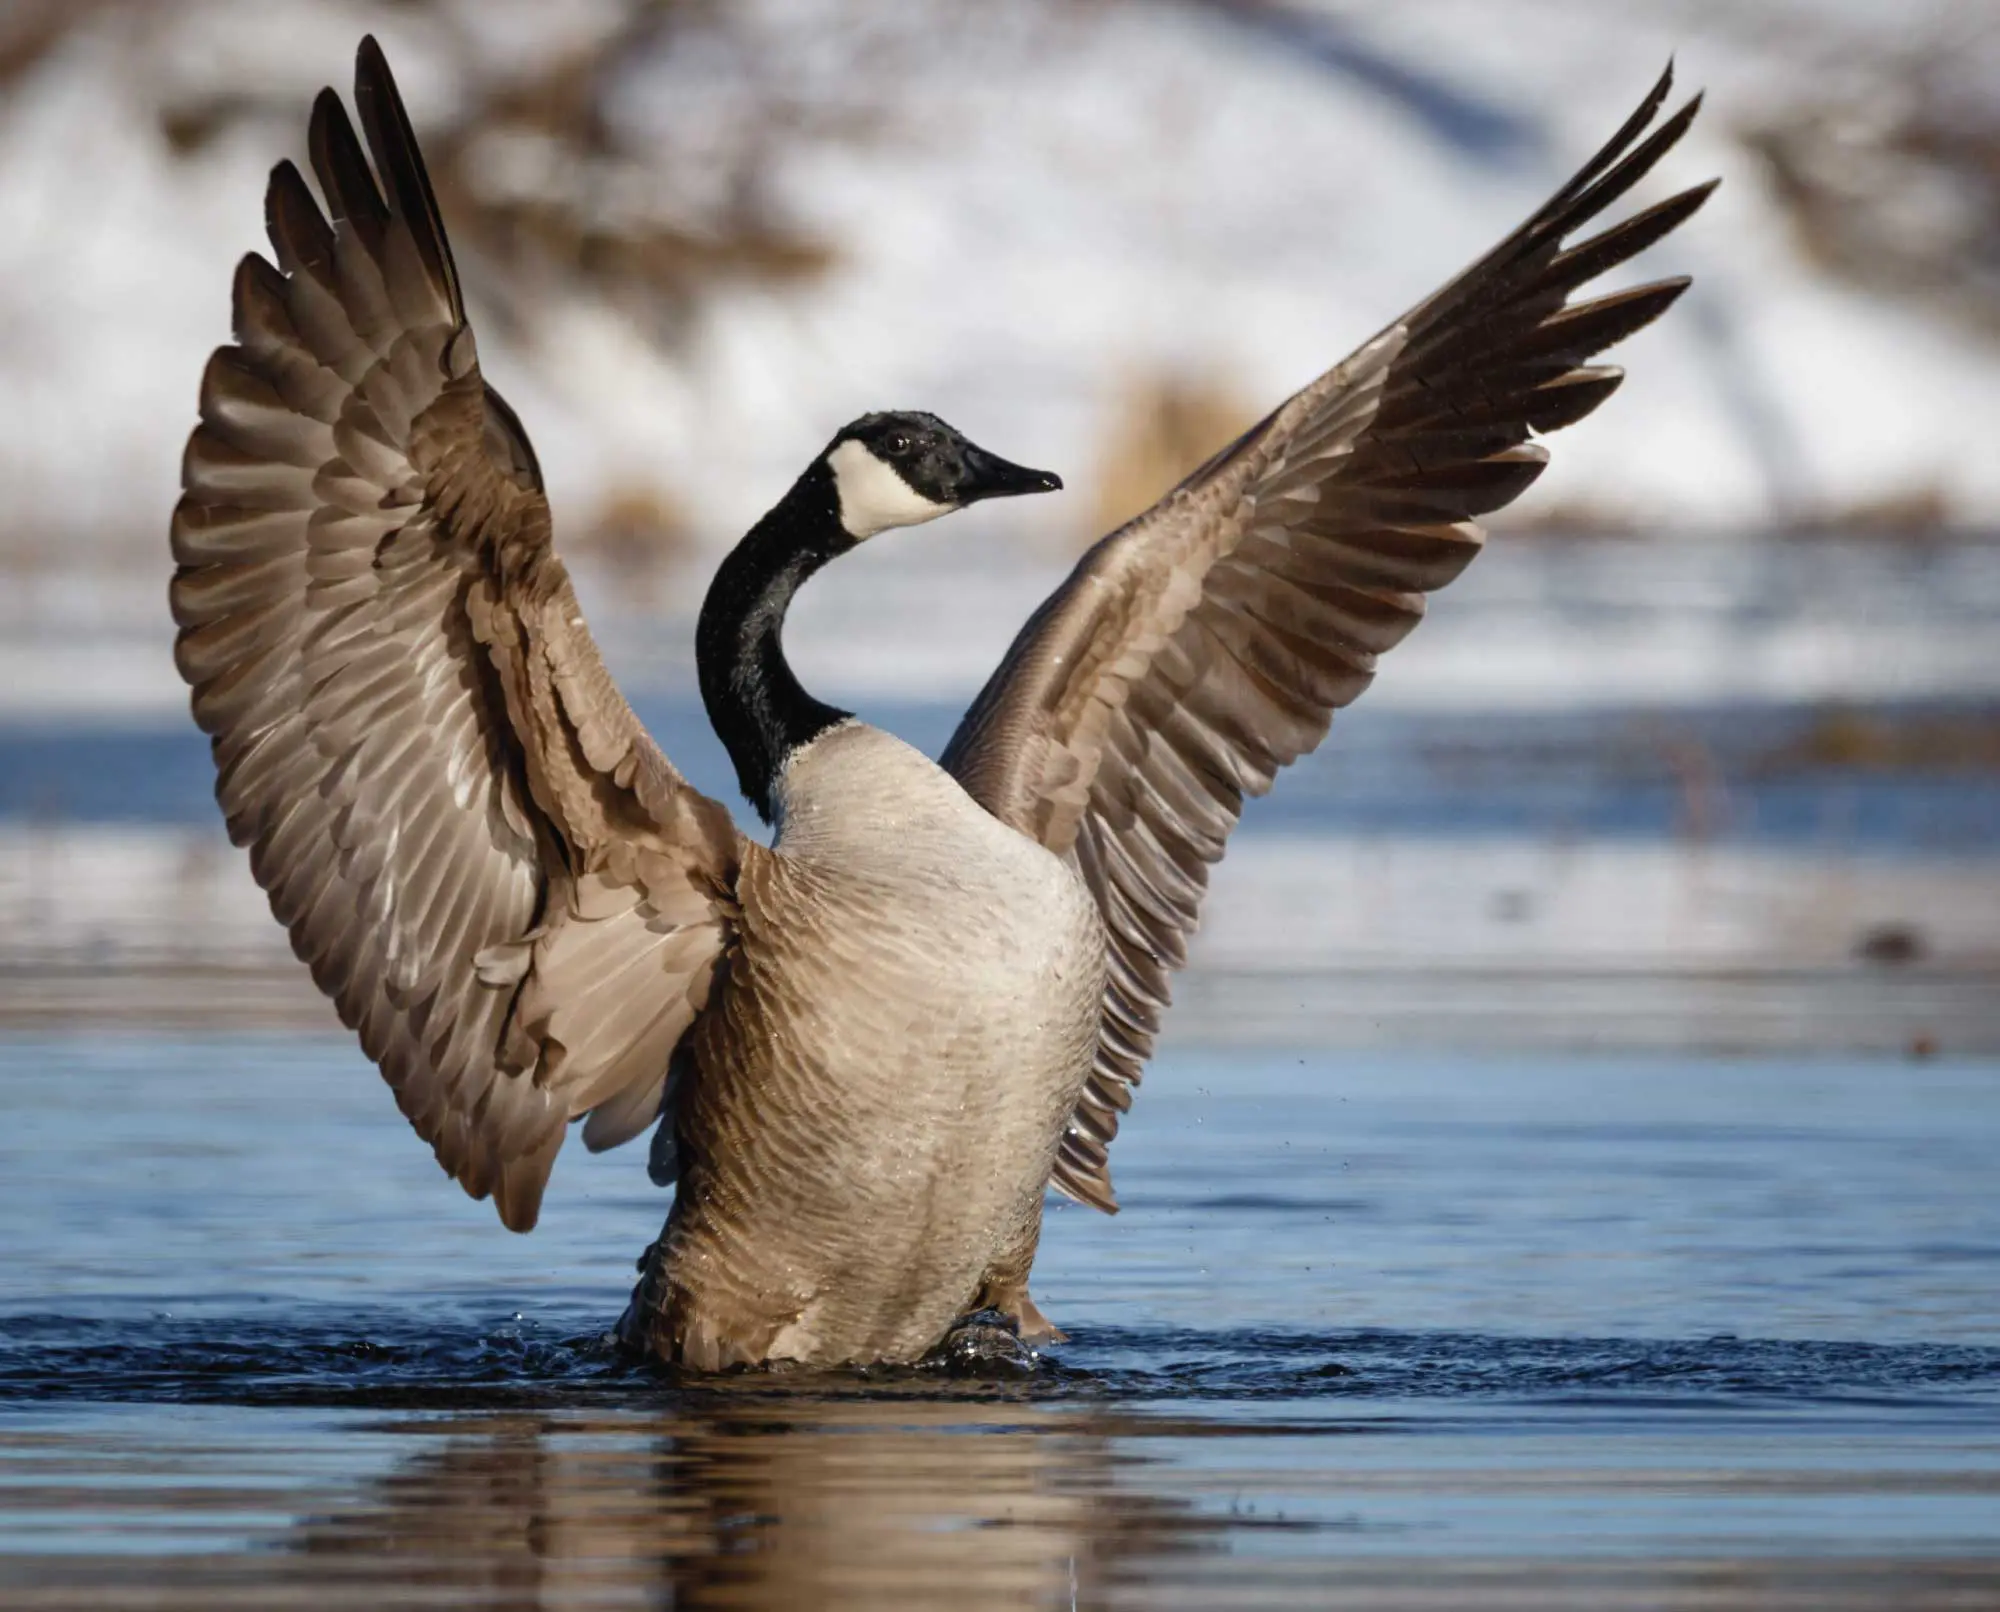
{"points": [[904, 1031]]}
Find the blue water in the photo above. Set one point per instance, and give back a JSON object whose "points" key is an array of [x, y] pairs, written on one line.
{"points": [[1744, 774], [1415, 1330]]}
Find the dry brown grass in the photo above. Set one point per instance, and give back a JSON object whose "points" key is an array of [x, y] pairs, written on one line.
{"points": [[1894, 184], [1893, 742], [578, 227], [637, 532], [1163, 426]]}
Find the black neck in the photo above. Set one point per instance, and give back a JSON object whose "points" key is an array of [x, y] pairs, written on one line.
{"points": [[754, 702]]}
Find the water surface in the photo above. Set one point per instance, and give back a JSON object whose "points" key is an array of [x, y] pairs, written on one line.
{"points": [[1423, 1331]]}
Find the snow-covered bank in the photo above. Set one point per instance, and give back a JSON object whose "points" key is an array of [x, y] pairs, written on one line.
{"points": [[1027, 207], [925, 616], [1323, 939], [131, 897]]}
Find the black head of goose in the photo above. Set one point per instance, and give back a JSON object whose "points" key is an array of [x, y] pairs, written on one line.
{"points": [[884, 471], [872, 1046]]}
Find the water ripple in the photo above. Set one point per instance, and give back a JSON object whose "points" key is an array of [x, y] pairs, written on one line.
{"points": [[391, 1360]]}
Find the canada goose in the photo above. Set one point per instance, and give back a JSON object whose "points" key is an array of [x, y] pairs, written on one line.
{"points": [[873, 1046]]}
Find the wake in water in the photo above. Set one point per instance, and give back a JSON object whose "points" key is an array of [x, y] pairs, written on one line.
{"points": [[391, 1360]]}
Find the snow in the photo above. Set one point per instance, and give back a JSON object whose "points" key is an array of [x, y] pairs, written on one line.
{"points": [[916, 617], [1043, 201], [1307, 941]]}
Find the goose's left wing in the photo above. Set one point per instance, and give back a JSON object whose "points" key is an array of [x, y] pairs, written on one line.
{"points": [[1207, 644]]}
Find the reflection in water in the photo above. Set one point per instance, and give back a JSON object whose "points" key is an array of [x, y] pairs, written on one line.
{"points": [[768, 1502], [759, 1498]]}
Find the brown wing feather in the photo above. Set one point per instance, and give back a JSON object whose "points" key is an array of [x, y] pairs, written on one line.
{"points": [[483, 858], [1198, 650]]}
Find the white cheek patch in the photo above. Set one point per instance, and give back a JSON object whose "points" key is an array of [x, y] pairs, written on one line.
{"points": [[873, 497]]}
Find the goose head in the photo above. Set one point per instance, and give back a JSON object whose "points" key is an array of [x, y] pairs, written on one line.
{"points": [[883, 471], [904, 468]]}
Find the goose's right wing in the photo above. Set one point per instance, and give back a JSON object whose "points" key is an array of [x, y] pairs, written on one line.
{"points": [[486, 862], [1199, 649]]}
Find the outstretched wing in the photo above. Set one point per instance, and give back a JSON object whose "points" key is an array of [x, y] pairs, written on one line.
{"points": [[484, 859], [1197, 650]]}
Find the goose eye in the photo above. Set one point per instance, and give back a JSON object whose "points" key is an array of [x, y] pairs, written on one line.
{"points": [[899, 444]]}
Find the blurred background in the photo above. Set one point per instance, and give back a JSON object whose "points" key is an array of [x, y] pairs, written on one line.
{"points": [[1705, 752], [1567, 1177]]}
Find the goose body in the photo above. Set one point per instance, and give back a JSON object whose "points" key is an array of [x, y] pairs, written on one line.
{"points": [[867, 1050], [908, 1026]]}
